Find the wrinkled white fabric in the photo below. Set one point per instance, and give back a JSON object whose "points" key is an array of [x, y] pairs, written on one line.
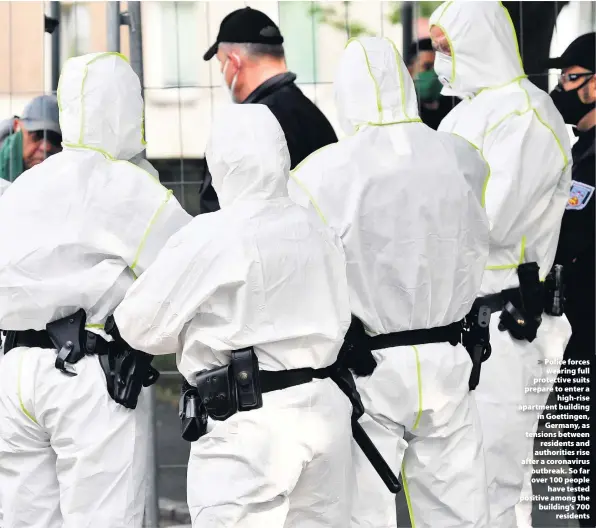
{"points": [[260, 272], [523, 138], [405, 201], [3, 186], [83, 462], [75, 230]]}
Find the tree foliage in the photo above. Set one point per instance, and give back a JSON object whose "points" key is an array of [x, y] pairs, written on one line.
{"points": [[337, 16]]}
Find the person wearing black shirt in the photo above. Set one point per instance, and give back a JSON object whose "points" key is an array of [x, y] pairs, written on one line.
{"points": [[249, 47], [575, 98]]}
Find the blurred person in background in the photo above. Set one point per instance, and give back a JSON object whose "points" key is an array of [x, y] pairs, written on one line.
{"points": [[433, 107], [575, 98], [249, 48], [415, 264], [521, 134], [29, 139]]}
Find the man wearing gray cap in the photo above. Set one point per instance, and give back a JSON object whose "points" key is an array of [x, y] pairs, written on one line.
{"points": [[33, 137]]}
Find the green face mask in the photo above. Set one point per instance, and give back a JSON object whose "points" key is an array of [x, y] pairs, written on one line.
{"points": [[428, 86]]}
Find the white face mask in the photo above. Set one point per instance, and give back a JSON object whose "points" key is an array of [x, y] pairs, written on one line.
{"points": [[443, 68], [229, 89]]}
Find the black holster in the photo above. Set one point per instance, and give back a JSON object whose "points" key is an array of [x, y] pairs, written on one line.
{"points": [[127, 370], [356, 353], [476, 340], [521, 315], [232, 388]]}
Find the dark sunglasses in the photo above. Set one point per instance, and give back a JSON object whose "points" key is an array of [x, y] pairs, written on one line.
{"points": [[571, 77], [49, 135]]}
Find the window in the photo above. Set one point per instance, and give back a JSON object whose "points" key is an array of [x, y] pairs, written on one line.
{"points": [[298, 22], [75, 30], [180, 53]]}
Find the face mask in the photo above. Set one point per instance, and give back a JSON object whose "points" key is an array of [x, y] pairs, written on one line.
{"points": [[229, 89], [443, 68], [428, 86], [569, 104]]}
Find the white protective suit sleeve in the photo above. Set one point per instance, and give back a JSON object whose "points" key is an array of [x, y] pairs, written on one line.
{"points": [[151, 324], [505, 149]]}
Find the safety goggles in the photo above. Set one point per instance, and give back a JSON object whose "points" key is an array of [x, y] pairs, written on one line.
{"points": [[50, 136], [572, 77]]}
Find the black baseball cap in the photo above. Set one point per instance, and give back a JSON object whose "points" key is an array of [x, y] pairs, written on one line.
{"points": [[581, 52], [246, 26]]}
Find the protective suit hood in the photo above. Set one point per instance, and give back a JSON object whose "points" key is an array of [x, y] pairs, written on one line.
{"points": [[101, 107], [247, 155], [484, 50], [373, 85]]}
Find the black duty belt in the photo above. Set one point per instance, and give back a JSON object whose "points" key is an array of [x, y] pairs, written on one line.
{"points": [[27, 338], [41, 339], [238, 386], [440, 334]]}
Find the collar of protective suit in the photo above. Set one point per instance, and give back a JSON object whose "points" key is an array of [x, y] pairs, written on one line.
{"points": [[101, 107], [247, 155], [373, 86], [484, 49]]}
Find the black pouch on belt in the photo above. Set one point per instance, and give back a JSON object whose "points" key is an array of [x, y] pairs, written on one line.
{"points": [[234, 387], [192, 413], [70, 338]]}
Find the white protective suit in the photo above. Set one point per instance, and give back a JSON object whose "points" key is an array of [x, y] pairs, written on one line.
{"points": [[416, 242], [260, 272], [524, 140], [75, 231], [3, 186]]}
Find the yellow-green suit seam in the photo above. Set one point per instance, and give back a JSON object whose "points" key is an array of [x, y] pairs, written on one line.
{"points": [[310, 197], [419, 376], [103, 55], [377, 88], [522, 256], [449, 41], [21, 404], [399, 62], [407, 494], [514, 35], [149, 227]]}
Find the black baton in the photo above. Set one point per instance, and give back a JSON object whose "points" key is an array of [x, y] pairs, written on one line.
{"points": [[375, 458]]}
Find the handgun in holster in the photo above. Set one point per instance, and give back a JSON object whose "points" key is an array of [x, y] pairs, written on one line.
{"points": [[554, 292], [523, 321], [127, 370], [476, 340]]}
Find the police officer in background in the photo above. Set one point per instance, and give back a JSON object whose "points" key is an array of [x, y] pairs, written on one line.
{"points": [[575, 98], [250, 50]]}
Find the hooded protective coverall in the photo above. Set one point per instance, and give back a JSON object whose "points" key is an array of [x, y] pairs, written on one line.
{"points": [[260, 272], [406, 202], [75, 231], [524, 140]]}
